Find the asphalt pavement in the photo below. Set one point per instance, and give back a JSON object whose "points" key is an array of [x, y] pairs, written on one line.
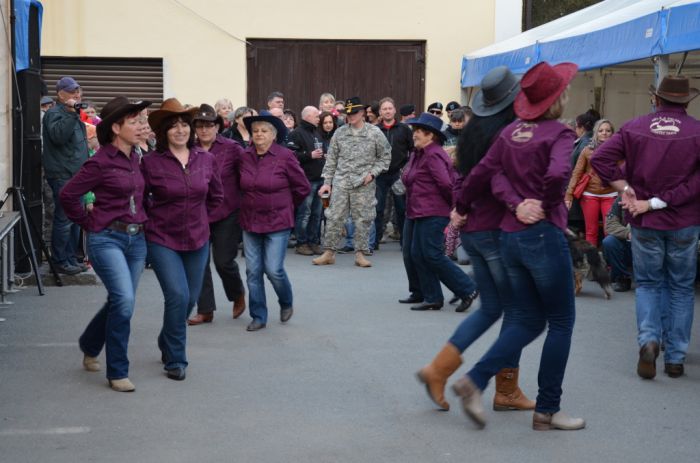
{"points": [[335, 384]]}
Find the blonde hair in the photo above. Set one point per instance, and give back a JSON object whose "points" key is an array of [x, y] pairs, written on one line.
{"points": [[221, 103], [326, 96], [557, 109]]}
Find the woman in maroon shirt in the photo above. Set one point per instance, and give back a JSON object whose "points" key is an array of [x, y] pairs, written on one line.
{"points": [[481, 239], [115, 239], [428, 178], [528, 167], [183, 189], [272, 184]]}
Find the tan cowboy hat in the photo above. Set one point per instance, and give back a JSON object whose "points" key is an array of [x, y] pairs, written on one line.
{"points": [[675, 89], [170, 107]]}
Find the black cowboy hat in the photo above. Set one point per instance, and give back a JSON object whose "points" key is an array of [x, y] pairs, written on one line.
{"points": [[353, 105], [265, 116], [113, 111]]}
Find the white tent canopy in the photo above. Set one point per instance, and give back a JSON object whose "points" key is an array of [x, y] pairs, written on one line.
{"points": [[604, 34]]}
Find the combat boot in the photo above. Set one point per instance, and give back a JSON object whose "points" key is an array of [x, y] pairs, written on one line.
{"points": [[361, 261], [435, 374], [327, 258], [508, 394]]}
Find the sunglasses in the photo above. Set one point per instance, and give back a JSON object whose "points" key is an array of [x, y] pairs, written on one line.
{"points": [[204, 125], [437, 112]]}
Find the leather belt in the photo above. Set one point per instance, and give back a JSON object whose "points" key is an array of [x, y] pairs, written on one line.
{"points": [[128, 228]]}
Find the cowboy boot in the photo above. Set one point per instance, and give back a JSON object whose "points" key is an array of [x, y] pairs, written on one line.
{"points": [[435, 374], [361, 261], [508, 394], [327, 258]]}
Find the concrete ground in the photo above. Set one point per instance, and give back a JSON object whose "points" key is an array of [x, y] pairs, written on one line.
{"points": [[336, 384]]}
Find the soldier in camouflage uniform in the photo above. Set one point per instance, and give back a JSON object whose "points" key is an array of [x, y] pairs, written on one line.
{"points": [[358, 153]]}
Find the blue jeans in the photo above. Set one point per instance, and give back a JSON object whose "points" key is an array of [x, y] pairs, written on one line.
{"points": [[64, 234], [427, 252], [264, 254], [665, 259], [384, 182], [538, 264], [411, 271], [484, 249], [307, 227], [350, 233], [118, 259], [618, 255], [180, 274]]}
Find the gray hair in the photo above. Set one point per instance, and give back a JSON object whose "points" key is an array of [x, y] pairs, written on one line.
{"points": [[240, 111], [269, 126]]}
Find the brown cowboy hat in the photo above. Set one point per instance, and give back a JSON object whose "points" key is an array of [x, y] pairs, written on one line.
{"points": [[540, 87], [114, 110], [207, 113], [170, 107], [675, 89]]}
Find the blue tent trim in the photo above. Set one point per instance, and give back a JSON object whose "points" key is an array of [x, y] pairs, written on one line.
{"points": [[22, 31], [672, 30]]}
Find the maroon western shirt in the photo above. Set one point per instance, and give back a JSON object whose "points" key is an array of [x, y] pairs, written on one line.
{"points": [[118, 185], [272, 185], [226, 154], [661, 154], [485, 212], [528, 160], [180, 199], [428, 178]]}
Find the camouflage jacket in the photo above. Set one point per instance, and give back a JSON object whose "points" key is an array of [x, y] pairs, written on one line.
{"points": [[352, 156]]}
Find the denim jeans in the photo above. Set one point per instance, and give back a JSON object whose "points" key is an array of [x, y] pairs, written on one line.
{"points": [[118, 259], [224, 239], [433, 266], [411, 271], [64, 233], [665, 258], [484, 250], [384, 182], [307, 226], [264, 254], [180, 275], [538, 264], [350, 233], [618, 255]]}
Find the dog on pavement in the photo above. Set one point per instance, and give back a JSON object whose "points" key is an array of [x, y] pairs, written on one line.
{"points": [[587, 261]]}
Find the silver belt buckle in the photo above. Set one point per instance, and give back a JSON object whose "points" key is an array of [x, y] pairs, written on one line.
{"points": [[133, 228]]}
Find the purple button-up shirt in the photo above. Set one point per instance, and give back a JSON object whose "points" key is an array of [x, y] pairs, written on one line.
{"points": [[180, 199], [485, 212], [661, 153], [528, 160], [428, 178], [271, 185], [118, 185], [226, 153]]}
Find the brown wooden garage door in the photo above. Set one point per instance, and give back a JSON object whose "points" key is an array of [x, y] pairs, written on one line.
{"points": [[303, 69]]}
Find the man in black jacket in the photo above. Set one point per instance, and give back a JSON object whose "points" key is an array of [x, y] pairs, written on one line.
{"points": [[64, 151], [400, 138], [306, 143]]}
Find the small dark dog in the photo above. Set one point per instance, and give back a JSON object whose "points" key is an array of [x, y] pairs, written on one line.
{"points": [[587, 261]]}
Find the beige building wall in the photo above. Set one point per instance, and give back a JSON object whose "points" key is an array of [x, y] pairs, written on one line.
{"points": [[201, 44]]}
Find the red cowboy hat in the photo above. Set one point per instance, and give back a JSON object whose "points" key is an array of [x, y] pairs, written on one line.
{"points": [[540, 87]]}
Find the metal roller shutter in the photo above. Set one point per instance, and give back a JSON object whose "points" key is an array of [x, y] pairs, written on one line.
{"points": [[104, 78]]}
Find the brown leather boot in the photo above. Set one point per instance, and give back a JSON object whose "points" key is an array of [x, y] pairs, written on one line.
{"points": [[508, 394], [435, 374], [361, 261], [327, 258], [239, 306]]}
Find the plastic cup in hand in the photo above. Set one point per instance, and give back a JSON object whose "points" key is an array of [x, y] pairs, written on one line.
{"points": [[326, 199], [318, 145]]}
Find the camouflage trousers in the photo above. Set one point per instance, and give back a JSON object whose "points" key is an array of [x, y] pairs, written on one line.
{"points": [[360, 203]]}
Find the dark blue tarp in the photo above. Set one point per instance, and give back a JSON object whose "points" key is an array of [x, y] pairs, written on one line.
{"points": [[22, 31]]}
